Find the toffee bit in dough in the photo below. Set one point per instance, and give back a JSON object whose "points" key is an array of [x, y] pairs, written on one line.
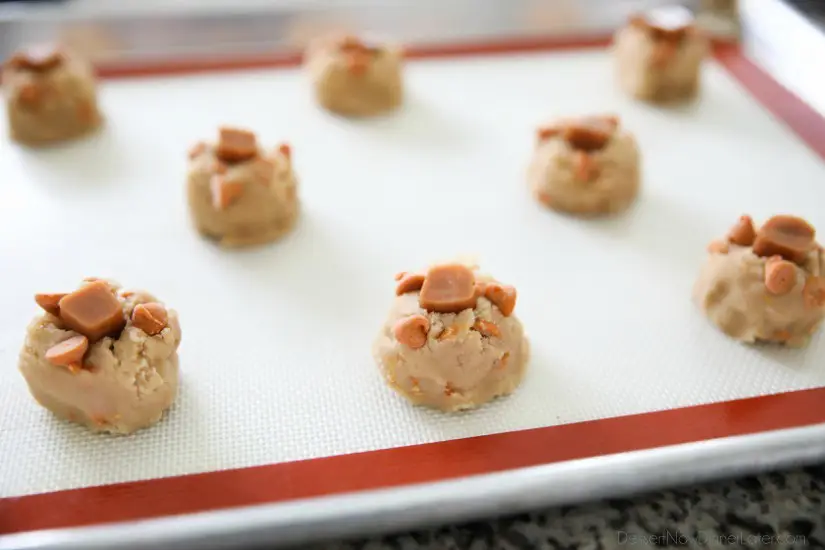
{"points": [[120, 374], [236, 145], [751, 293], [225, 192], [412, 331], [431, 338]]}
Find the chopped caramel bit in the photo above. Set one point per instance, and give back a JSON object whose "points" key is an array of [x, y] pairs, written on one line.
{"points": [[196, 150], [449, 390], [448, 288], [93, 311], [544, 198], [49, 302], [400, 275], [448, 333], [787, 236], [412, 331], [584, 167], [150, 317], [30, 95], [718, 247], [813, 293], [502, 296], [38, 59], [285, 150], [410, 282], [743, 233], [486, 328], [590, 133], [782, 335], [68, 352], [225, 192], [780, 276], [547, 132], [235, 145], [502, 362], [357, 64]]}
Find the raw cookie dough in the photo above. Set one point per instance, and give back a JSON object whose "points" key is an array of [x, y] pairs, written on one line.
{"points": [[451, 340], [50, 96], [586, 166], [240, 194], [103, 357], [659, 55], [766, 285], [352, 78]]}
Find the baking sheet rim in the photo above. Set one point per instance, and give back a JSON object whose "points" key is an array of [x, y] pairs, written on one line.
{"points": [[805, 122]]}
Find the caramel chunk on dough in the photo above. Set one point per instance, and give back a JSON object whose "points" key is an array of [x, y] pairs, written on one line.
{"points": [[502, 296], [150, 317], [225, 192], [69, 352], [744, 232], [780, 276], [92, 310], [409, 282], [788, 236], [236, 145], [412, 331], [49, 302], [448, 288], [590, 133]]}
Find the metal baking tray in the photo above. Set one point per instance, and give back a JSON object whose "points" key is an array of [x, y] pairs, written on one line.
{"points": [[284, 432]]}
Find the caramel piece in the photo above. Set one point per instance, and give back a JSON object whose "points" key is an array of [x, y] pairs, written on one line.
{"points": [[743, 233], [400, 275], [718, 247], [235, 145], [501, 364], [410, 282], [49, 302], [547, 132], [486, 328], [196, 150], [150, 317], [68, 352], [412, 331], [39, 58], [787, 236], [813, 293], [448, 288], [583, 166], [285, 150], [93, 311], [448, 333], [780, 276], [502, 296], [225, 192], [590, 133]]}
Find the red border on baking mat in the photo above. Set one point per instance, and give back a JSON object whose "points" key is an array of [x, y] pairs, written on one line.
{"points": [[449, 459]]}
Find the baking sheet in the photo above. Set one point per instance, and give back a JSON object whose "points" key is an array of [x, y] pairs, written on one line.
{"points": [[276, 350]]}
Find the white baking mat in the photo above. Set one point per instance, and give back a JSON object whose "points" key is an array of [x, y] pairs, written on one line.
{"points": [[276, 341]]}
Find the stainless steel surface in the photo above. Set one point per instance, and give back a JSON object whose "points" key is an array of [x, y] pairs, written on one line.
{"points": [[298, 522], [390, 510], [128, 31]]}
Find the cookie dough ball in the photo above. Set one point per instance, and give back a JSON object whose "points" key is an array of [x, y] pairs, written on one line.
{"points": [[766, 285], [451, 340], [103, 357], [586, 166], [240, 194], [659, 55], [355, 79], [50, 96]]}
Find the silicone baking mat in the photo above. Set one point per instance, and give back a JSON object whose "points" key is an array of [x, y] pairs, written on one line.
{"points": [[280, 398]]}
